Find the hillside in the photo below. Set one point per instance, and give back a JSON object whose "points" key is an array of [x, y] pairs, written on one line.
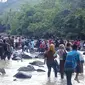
{"points": [[62, 18]]}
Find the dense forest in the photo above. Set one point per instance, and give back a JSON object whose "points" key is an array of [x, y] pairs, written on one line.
{"points": [[45, 18]]}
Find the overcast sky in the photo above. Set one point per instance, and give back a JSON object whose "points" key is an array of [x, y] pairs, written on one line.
{"points": [[3, 0]]}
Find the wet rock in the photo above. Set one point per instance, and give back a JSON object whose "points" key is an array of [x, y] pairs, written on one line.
{"points": [[37, 63], [41, 66], [26, 69], [14, 79], [40, 70], [36, 56], [25, 56], [2, 70], [40, 55], [30, 66], [29, 55], [17, 56], [22, 75], [83, 53]]}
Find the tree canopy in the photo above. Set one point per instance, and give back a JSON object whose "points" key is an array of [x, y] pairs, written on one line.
{"points": [[62, 18]]}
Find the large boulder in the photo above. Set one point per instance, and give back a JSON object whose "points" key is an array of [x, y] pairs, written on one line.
{"points": [[22, 75], [37, 63], [26, 69]]}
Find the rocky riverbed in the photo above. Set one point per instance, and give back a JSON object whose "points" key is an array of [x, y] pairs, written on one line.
{"points": [[38, 77]]}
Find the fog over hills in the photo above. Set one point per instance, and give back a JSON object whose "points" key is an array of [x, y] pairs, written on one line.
{"points": [[14, 4], [3, 1]]}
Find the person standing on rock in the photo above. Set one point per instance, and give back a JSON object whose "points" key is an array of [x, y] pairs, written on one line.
{"points": [[50, 60], [71, 63]]}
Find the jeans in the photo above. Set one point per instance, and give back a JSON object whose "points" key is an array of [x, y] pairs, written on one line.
{"points": [[69, 76], [52, 65]]}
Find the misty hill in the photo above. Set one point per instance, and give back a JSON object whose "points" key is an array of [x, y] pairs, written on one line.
{"points": [[14, 4], [75, 3]]}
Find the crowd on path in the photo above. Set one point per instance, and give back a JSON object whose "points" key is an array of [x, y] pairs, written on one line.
{"points": [[70, 58]]}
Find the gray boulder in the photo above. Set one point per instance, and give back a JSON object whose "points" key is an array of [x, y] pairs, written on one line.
{"points": [[41, 66], [26, 69], [83, 53], [24, 56], [40, 55], [30, 66], [37, 63], [17, 56], [2, 70], [40, 70], [22, 75]]}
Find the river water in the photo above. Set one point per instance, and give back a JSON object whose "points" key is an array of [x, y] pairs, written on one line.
{"points": [[38, 78]]}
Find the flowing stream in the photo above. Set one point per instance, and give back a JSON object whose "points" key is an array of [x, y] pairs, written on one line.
{"points": [[38, 78]]}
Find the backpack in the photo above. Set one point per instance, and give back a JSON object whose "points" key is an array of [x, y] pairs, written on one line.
{"points": [[69, 63]]}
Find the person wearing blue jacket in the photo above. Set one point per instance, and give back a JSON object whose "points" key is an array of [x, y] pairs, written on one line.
{"points": [[72, 60]]}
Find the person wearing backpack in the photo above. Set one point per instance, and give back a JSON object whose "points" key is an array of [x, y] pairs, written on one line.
{"points": [[71, 62]]}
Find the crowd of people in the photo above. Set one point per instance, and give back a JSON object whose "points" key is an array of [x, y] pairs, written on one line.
{"points": [[70, 58]]}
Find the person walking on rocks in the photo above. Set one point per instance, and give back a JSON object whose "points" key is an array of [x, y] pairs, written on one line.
{"points": [[50, 60]]}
